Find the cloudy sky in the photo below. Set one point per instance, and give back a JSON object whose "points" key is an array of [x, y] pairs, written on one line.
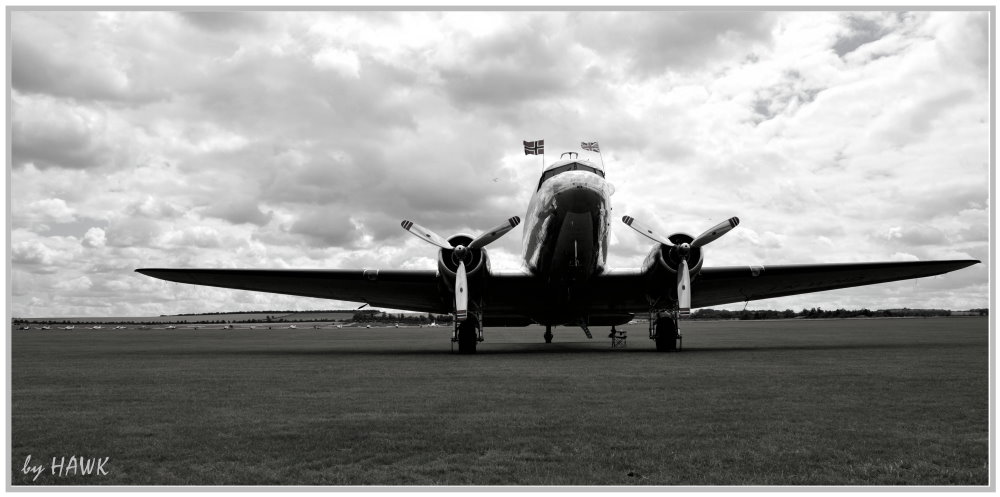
{"points": [[301, 139]]}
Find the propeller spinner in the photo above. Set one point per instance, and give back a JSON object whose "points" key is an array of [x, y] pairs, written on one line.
{"points": [[461, 254], [684, 250]]}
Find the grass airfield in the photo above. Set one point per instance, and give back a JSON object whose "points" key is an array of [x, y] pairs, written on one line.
{"points": [[792, 402]]}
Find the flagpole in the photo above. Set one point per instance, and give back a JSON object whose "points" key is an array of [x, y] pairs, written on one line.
{"points": [[600, 154]]}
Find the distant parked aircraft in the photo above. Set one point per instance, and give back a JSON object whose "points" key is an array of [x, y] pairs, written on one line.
{"points": [[565, 281]]}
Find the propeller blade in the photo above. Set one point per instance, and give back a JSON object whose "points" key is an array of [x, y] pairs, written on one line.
{"points": [[684, 289], [714, 233], [461, 293], [642, 229], [426, 234], [492, 235]]}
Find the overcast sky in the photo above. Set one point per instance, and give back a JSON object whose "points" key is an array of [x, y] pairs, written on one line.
{"points": [[301, 139]]}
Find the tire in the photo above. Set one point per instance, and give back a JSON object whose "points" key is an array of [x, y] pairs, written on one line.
{"points": [[666, 335], [467, 338]]}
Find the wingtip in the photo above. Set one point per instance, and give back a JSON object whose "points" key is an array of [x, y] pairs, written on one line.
{"points": [[966, 262], [150, 271]]}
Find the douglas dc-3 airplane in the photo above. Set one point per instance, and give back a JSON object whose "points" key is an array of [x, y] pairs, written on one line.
{"points": [[565, 280]]}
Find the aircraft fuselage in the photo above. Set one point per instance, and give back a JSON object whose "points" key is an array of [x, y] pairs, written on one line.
{"points": [[565, 241], [566, 226]]}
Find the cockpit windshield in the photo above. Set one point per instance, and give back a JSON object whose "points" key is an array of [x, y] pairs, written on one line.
{"points": [[571, 166]]}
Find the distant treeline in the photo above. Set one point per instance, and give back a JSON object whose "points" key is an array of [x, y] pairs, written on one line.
{"points": [[365, 316], [337, 311], [382, 317], [818, 313]]}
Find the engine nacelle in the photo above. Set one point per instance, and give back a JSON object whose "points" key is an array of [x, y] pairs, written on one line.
{"points": [[476, 263], [660, 266]]}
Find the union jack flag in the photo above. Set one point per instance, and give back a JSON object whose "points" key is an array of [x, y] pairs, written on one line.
{"points": [[534, 148], [592, 146]]}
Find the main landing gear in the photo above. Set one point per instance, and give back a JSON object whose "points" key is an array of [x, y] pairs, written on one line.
{"points": [[548, 334], [467, 334], [664, 331]]}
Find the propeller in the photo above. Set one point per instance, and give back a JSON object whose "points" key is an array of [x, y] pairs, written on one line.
{"points": [[460, 253], [684, 250]]}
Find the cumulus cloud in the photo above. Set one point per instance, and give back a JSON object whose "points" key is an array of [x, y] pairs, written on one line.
{"points": [[44, 254], [238, 211], [80, 284], [301, 139], [49, 210], [345, 62], [326, 228], [55, 53], [95, 237], [223, 21], [133, 232], [655, 43], [55, 133], [192, 236]]}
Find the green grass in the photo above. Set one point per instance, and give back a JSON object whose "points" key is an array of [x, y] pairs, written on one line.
{"points": [[839, 402]]}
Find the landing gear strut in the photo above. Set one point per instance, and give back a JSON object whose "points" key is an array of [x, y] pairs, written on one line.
{"points": [[548, 334]]}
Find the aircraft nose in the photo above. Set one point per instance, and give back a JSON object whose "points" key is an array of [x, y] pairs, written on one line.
{"points": [[579, 198]]}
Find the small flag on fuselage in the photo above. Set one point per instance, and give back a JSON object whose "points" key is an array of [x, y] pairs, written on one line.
{"points": [[592, 146], [534, 148]]}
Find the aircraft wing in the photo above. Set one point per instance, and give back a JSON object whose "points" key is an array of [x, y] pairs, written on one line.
{"points": [[725, 285], [510, 296], [414, 290], [625, 290]]}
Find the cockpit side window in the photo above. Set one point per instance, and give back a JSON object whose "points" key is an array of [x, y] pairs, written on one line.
{"points": [[572, 166]]}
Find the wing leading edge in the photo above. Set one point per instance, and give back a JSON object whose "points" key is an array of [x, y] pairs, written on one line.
{"points": [[395, 289]]}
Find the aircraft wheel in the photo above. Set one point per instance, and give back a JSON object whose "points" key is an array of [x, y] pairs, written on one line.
{"points": [[467, 338], [548, 334], [666, 335]]}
